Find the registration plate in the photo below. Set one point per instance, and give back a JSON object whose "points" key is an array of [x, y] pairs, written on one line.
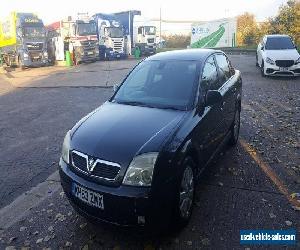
{"points": [[90, 53], [283, 69], [88, 196]]}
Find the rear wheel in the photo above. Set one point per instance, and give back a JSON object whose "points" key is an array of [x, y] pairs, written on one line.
{"points": [[185, 194], [257, 65]]}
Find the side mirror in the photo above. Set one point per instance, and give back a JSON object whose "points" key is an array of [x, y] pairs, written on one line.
{"points": [[213, 97], [116, 86]]}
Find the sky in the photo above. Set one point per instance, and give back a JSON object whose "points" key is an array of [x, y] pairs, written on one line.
{"points": [[198, 10]]}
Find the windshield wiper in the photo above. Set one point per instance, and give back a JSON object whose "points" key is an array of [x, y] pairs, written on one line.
{"points": [[169, 107], [133, 103]]}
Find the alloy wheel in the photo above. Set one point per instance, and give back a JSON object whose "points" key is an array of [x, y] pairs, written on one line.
{"points": [[186, 192]]}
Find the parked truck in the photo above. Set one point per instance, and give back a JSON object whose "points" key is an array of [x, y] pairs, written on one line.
{"points": [[78, 36], [110, 36], [144, 36], [139, 34], [23, 40]]}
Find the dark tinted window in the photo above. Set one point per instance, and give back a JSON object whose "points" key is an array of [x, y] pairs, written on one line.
{"points": [[209, 79], [224, 68], [160, 84], [276, 43]]}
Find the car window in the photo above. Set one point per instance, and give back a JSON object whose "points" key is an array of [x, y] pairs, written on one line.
{"points": [[224, 68], [161, 84], [209, 79], [278, 43], [140, 78]]}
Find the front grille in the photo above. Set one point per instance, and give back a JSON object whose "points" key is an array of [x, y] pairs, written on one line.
{"points": [[79, 162], [35, 56], [118, 45], [100, 168], [284, 63], [89, 44], [151, 40], [34, 46], [106, 171]]}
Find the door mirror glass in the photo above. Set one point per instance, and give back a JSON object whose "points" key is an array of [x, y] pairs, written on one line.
{"points": [[213, 97]]}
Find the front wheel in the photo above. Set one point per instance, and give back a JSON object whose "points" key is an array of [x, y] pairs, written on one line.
{"points": [[262, 69], [235, 128], [185, 194]]}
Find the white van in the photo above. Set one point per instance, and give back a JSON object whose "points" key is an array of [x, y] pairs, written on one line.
{"points": [[278, 55]]}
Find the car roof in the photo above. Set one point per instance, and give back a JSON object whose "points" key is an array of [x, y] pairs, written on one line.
{"points": [[185, 55], [276, 35]]}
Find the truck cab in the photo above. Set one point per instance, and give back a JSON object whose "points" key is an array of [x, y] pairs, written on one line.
{"points": [[24, 41], [83, 41], [145, 39], [110, 36], [79, 37]]}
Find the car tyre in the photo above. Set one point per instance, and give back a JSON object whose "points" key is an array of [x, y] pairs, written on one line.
{"points": [[185, 194], [262, 69], [257, 65], [235, 128]]}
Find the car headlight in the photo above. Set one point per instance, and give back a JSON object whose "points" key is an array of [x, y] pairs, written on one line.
{"points": [[146, 46], [25, 55], [297, 61], [45, 54], [140, 170], [65, 153], [270, 61]]}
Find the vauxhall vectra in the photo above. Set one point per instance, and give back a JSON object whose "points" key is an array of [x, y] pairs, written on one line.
{"points": [[135, 160]]}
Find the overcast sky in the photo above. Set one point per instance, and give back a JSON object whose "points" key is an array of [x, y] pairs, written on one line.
{"points": [[52, 10]]}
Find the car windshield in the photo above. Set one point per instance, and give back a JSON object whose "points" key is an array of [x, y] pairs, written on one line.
{"points": [[114, 32], [278, 43], [34, 32], [160, 84], [85, 29], [150, 30]]}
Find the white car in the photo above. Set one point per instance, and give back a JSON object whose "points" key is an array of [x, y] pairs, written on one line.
{"points": [[277, 55]]}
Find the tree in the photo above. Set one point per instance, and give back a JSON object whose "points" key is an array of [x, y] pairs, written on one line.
{"points": [[248, 32], [177, 41], [287, 21]]}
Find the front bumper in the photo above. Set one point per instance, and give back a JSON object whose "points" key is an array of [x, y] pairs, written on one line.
{"points": [[117, 55], [150, 50], [87, 58], [123, 205], [35, 63], [274, 70]]}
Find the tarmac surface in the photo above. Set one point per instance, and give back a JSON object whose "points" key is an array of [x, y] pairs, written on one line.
{"points": [[251, 186]]}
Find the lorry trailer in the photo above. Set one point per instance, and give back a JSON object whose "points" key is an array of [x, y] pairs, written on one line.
{"points": [[23, 40]]}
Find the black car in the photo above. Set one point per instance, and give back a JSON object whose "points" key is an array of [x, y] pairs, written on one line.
{"points": [[135, 159]]}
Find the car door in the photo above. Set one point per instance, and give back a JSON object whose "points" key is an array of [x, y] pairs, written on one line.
{"points": [[208, 133], [228, 89]]}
